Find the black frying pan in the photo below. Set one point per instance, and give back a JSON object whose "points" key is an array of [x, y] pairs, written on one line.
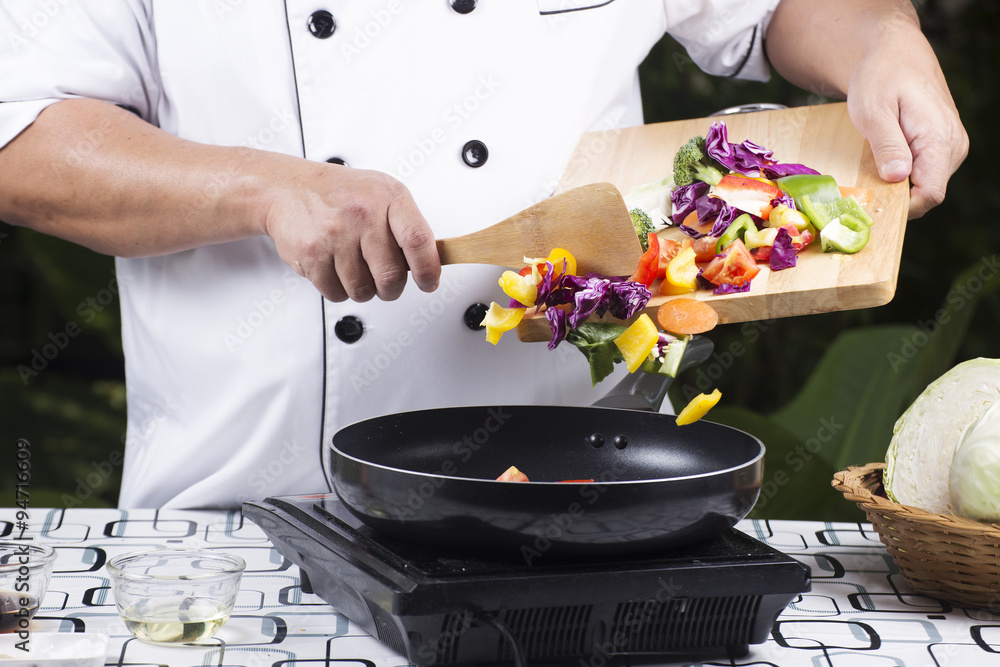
{"points": [[429, 476]]}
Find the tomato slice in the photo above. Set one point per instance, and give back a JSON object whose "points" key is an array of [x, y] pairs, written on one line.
{"points": [[734, 266], [669, 248]]}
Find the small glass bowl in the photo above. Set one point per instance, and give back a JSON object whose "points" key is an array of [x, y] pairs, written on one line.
{"points": [[175, 596], [25, 570]]}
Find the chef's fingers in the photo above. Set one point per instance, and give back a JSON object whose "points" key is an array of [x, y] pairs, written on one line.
{"points": [[323, 275], [416, 240], [386, 263], [878, 122]]}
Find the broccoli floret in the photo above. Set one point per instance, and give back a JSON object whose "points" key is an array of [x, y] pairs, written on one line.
{"points": [[643, 226], [692, 163]]}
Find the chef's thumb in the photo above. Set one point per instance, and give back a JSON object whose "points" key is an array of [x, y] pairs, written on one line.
{"points": [[889, 146]]}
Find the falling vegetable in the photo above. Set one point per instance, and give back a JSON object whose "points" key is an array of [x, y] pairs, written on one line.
{"points": [[512, 474], [698, 407], [686, 316]]}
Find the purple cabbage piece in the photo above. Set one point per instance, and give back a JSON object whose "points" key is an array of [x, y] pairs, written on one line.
{"points": [[589, 299], [626, 298], [557, 324], [685, 199], [545, 287], [594, 294], [783, 255], [728, 288], [785, 199], [746, 158], [514, 303], [778, 169], [690, 231], [723, 213]]}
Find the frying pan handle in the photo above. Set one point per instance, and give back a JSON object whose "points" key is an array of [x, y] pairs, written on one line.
{"points": [[646, 391]]}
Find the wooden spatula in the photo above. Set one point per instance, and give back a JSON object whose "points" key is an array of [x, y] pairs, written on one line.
{"points": [[590, 221]]}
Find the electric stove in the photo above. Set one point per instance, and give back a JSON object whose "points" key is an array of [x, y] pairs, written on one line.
{"points": [[440, 607]]}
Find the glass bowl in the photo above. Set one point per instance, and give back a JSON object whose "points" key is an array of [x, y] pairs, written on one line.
{"points": [[25, 570], [175, 596]]}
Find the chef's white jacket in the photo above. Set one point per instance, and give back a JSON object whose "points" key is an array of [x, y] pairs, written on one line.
{"points": [[238, 373]]}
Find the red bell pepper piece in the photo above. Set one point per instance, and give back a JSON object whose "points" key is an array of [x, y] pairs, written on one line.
{"points": [[645, 273]]}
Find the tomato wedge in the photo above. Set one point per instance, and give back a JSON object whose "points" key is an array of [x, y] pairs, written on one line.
{"points": [[735, 266]]}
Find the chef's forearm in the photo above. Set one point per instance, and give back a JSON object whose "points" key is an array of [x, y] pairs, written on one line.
{"points": [[94, 174], [818, 44]]}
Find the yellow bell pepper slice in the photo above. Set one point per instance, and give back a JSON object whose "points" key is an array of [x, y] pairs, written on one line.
{"points": [[522, 288], [637, 341], [682, 274], [698, 407], [556, 257], [499, 319]]}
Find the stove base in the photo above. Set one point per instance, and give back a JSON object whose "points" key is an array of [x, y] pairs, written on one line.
{"points": [[715, 598]]}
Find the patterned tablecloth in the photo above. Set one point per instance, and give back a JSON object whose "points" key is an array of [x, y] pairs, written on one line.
{"points": [[859, 611]]}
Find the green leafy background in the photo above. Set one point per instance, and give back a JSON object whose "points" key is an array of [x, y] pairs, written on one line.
{"points": [[821, 391]]}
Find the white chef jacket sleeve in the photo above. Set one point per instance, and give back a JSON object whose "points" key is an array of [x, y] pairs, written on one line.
{"points": [[723, 37], [59, 49]]}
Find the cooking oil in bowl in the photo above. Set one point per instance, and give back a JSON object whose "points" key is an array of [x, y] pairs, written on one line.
{"points": [[186, 620]]}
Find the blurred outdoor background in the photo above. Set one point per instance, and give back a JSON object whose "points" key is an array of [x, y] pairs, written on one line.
{"points": [[821, 391]]}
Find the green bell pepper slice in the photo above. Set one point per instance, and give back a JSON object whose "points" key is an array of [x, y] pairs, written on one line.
{"points": [[820, 213], [736, 230], [846, 233], [820, 188]]}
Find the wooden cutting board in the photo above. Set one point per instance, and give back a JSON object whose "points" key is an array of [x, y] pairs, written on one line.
{"points": [[821, 137]]}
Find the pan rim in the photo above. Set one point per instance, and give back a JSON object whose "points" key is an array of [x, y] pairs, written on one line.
{"points": [[441, 476]]}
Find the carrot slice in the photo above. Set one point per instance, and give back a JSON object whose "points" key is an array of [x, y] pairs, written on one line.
{"points": [[863, 195], [686, 316]]}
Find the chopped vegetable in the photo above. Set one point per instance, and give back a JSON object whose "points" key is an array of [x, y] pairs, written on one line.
{"points": [[596, 341], [643, 226], [698, 407], [685, 199], [686, 316], [637, 341], [783, 254], [499, 319], [653, 198], [735, 231], [846, 234], [681, 275], [512, 474], [783, 215], [735, 266], [747, 194], [692, 163], [649, 263], [523, 289], [819, 188]]}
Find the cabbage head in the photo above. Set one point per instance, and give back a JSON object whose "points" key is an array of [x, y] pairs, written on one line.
{"points": [[975, 469], [925, 437]]}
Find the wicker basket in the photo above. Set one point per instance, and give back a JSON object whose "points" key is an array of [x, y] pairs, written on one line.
{"points": [[948, 557]]}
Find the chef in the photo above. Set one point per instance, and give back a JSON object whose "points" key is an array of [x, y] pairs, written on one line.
{"points": [[271, 177]]}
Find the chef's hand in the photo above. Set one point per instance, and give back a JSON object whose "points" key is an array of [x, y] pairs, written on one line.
{"points": [[355, 234], [899, 101], [873, 52]]}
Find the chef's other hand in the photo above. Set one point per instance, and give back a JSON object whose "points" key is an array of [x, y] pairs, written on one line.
{"points": [[355, 234], [899, 100], [873, 52]]}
